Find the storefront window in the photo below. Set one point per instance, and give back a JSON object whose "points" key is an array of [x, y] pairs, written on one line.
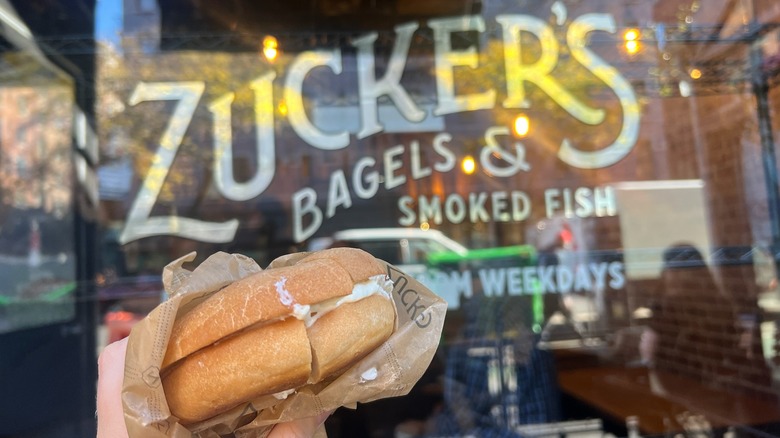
{"points": [[37, 261], [592, 186]]}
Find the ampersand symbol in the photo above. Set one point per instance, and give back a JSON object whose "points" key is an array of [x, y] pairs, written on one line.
{"points": [[515, 161]]}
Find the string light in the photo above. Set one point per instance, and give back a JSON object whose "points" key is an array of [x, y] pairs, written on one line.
{"points": [[270, 48], [521, 126], [468, 165], [631, 38]]}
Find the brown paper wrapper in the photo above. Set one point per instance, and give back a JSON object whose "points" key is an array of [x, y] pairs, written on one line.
{"points": [[399, 362]]}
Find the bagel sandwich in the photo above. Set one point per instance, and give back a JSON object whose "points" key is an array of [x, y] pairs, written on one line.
{"points": [[274, 331]]}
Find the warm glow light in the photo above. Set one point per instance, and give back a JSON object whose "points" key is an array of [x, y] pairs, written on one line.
{"points": [[468, 165], [270, 53], [631, 38], [695, 73], [283, 108], [425, 226], [270, 48], [522, 125]]}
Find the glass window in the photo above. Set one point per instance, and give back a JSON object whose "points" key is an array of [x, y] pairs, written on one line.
{"points": [[592, 186], [420, 249], [37, 260]]}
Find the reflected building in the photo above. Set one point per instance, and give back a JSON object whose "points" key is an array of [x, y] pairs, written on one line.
{"points": [[34, 125]]}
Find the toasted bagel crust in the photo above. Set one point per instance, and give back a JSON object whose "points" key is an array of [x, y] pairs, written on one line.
{"points": [[262, 297], [222, 376], [359, 264], [347, 334]]}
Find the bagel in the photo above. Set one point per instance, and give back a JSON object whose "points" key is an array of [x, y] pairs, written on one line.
{"points": [[277, 330]]}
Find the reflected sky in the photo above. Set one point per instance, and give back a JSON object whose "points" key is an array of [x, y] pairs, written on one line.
{"points": [[108, 21]]}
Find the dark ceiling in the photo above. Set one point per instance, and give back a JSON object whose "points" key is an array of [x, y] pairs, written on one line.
{"points": [[249, 16]]}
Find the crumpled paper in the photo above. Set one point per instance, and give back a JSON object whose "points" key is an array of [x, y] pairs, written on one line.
{"points": [[389, 371]]}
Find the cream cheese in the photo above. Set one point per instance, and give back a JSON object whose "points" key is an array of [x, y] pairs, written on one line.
{"points": [[284, 294], [369, 375], [378, 284], [282, 395], [301, 311]]}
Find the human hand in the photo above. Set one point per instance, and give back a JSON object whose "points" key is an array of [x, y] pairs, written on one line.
{"points": [[110, 416], [111, 371]]}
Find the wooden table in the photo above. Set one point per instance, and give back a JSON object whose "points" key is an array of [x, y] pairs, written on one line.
{"points": [[623, 392]]}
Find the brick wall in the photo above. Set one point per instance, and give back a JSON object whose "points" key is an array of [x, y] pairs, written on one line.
{"points": [[697, 316]]}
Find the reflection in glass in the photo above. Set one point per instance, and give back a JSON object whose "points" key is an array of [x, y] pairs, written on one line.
{"points": [[568, 146], [37, 262]]}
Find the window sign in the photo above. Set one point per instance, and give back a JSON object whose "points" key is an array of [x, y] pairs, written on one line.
{"points": [[591, 186]]}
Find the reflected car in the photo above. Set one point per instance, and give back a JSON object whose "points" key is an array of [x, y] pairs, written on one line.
{"points": [[406, 248]]}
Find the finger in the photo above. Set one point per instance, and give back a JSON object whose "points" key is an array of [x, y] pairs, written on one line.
{"points": [[301, 428], [111, 371]]}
